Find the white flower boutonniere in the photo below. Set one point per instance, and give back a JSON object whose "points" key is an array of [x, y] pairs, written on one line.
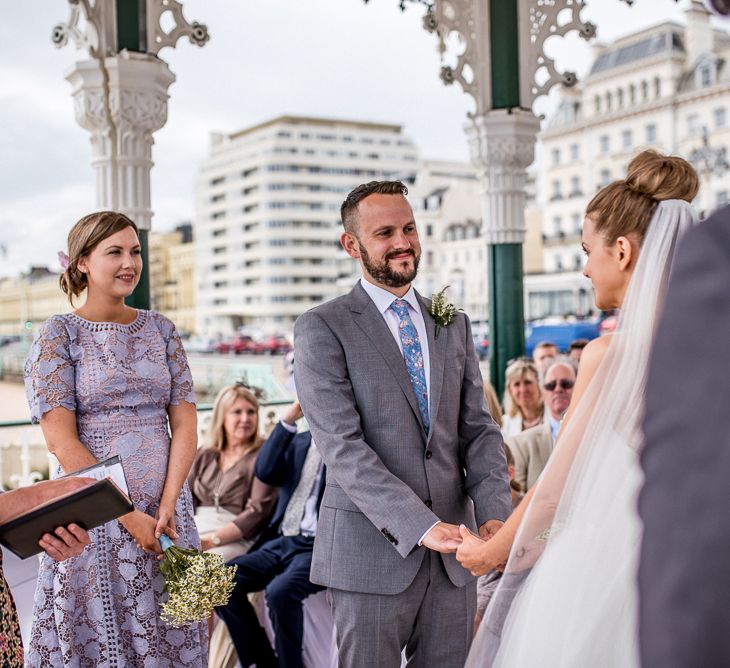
{"points": [[442, 311]]}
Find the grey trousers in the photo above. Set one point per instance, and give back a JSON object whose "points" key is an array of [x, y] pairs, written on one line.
{"points": [[432, 619]]}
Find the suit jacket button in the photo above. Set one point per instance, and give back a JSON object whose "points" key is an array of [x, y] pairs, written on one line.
{"points": [[384, 532], [394, 540], [428, 503], [429, 454]]}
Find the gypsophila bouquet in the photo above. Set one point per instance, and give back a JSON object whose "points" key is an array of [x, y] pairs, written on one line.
{"points": [[196, 581], [442, 311]]}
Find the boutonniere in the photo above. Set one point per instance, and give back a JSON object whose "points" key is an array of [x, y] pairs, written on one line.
{"points": [[441, 311]]}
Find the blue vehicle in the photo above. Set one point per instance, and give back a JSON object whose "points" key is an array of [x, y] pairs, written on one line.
{"points": [[560, 333]]}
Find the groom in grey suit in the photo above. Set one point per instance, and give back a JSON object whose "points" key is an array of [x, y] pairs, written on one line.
{"points": [[398, 414]]}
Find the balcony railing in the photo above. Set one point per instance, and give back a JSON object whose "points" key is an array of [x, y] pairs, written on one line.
{"points": [[34, 462]]}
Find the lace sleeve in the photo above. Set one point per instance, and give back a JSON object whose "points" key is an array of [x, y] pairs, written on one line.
{"points": [[177, 362], [49, 371]]}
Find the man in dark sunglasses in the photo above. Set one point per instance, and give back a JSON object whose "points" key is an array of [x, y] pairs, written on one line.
{"points": [[533, 447]]}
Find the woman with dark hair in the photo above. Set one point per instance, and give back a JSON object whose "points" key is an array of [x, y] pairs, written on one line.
{"points": [[109, 380], [568, 595]]}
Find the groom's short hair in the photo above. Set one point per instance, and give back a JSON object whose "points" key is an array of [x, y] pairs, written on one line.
{"points": [[348, 210]]}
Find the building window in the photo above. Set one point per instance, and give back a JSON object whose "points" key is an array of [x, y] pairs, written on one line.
{"points": [[609, 101], [693, 125], [557, 225], [597, 104], [429, 230], [706, 75], [558, 263], [605, 178], [577, 262], [576, 223], [556, 156], [657, 87], [620, 97], [218, 214], [720, 115], [575, 189], [651, 135], [644, 90], [604, 143], [217, 181], [574, 151], [556, 191], [627, 138], [632, 94]]}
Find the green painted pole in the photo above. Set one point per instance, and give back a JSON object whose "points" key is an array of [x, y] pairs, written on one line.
{"points": [[506, 314], [132, 35], [140, 298]]}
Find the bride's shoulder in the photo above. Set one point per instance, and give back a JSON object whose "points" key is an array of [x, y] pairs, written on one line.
{"points": [[593, 354]]}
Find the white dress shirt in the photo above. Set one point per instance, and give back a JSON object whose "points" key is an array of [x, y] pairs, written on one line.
{"points": [[382, 300]]}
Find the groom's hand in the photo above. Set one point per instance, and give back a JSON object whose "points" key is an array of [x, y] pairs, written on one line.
{"points": [[444, 537], [489, 529]]}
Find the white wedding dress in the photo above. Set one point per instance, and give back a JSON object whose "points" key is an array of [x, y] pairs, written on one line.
{"points": [[568, 598]]}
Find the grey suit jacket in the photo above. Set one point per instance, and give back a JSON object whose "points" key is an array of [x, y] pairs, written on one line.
{"points": [[684, 579], [531, 450], [388, 481]]}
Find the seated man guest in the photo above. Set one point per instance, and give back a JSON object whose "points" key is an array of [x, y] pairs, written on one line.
{"points": [[533, 447], [281, 560]]}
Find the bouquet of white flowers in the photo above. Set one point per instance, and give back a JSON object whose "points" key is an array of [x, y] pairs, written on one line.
{"points": [[196, 581]]}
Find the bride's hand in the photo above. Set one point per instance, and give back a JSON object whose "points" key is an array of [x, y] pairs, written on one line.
{"points": [[476, 555]]}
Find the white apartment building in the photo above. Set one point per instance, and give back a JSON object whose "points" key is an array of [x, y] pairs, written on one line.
{"points": [[667, 87], [267, 215]]}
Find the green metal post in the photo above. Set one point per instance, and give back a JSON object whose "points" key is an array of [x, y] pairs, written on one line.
{"points": [[140, 298], [507, 328], [132, 25], [506, 315], [132, 35]]}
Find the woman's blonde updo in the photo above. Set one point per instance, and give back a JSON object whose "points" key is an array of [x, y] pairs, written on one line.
{"points": [[86, 235], [625, 208]]}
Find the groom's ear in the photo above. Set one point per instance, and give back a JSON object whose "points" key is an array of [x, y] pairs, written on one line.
{"points": [[350, 244]]}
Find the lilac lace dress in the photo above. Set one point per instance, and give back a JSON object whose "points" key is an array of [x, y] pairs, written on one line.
{"points": [[101, 609]]}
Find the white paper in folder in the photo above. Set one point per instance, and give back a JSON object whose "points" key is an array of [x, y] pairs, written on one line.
{"points": [[109, 468]]}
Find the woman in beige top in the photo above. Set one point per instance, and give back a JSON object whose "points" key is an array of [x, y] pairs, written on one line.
{"points": [[231, 506], [523, 404]]}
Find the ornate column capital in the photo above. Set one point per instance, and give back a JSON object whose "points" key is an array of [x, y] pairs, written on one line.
{"points": [[502, 144], [122, 100]]}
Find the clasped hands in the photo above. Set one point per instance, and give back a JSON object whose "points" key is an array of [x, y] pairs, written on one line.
{"points": [[469, 548]]}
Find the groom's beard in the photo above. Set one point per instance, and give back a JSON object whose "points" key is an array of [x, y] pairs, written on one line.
{"points": [[383, 273]]}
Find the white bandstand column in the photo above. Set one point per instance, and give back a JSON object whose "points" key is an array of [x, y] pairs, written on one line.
{"points": [[122, 119]]}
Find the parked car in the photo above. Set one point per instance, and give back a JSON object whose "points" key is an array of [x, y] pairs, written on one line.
{"points": [[240, 343], [276, 345]]}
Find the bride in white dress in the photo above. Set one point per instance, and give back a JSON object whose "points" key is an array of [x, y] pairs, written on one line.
{"points": [[568, 596]]}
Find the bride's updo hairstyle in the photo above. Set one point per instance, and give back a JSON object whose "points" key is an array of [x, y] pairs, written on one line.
{"points": [[86, 235], [625, 208]]}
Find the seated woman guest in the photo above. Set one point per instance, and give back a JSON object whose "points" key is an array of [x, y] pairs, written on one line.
{"points": [[67, 542], [523, 404], [231, 506]]}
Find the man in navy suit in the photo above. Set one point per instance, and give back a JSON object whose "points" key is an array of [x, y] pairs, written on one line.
{"points": [[281, 559]]}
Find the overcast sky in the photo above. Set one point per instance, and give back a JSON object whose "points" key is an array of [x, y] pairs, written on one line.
{"points": [[332, 58]]}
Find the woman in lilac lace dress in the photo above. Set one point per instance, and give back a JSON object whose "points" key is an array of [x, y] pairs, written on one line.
{"points": [[106, 380]]}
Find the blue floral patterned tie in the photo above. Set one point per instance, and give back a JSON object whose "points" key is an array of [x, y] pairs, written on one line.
{"points": [[413, 356]]}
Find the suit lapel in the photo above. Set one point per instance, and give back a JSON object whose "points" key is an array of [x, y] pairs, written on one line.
{"points": [[371, 322], [436, 356], [546, 441]]}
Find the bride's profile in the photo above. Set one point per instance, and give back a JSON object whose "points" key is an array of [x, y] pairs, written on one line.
{"points": [[567, 598]]}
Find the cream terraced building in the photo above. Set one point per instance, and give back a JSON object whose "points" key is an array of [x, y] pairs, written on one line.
{"points": [[267, 222], [668, 88]]}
